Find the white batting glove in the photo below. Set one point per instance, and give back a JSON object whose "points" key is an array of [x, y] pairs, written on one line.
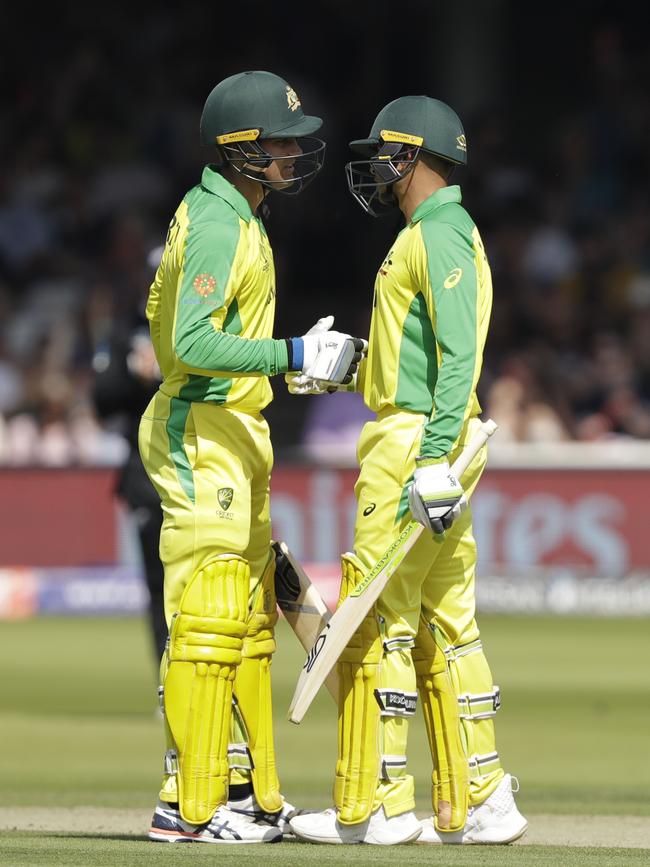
{"points": [[330, 356], [436, 497], [300, 383]]}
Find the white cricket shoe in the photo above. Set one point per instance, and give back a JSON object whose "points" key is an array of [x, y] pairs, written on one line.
{"points": [[226, 826], [249, 807], [324, 827], [496, 820]]}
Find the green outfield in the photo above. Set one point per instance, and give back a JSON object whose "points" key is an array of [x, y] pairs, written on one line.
{"points": [[79, 729]]}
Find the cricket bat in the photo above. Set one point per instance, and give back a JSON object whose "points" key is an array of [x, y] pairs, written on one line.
{"points": [[338, 630], [302, 605]]}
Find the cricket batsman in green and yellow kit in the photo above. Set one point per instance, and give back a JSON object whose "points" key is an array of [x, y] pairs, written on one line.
{"points": [[205, 445], [431, 309]]}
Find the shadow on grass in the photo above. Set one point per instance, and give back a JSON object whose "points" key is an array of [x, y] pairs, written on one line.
{"points": [[88, 835]]}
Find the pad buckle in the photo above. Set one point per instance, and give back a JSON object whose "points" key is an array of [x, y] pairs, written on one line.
{"points": [[396, 702]]}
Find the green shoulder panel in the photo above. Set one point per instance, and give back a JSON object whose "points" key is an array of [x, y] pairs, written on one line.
{"points": [[447, 237], [210, 282], [210, 250]]}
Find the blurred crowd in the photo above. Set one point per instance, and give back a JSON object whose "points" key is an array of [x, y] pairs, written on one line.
{"points": [[93, 165]]}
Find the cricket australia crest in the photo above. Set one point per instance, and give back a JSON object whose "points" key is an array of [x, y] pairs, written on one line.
{"points": [[224, 495], [292, 99]]}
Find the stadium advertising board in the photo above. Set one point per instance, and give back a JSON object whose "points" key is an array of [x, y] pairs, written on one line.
{"points": [[559, 540]]}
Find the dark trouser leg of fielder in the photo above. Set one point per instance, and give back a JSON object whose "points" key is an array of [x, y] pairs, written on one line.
{"points": [[149, 522]]}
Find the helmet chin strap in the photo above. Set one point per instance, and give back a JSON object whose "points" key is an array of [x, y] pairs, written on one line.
{"points": [[410, 172]]}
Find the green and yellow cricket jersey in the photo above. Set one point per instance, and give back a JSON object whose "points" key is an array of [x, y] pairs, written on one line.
{"points": [[212, 303], [431, 309]]}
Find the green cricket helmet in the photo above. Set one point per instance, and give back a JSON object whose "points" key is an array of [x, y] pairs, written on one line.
{"points": [[401, 130], [244, 110]]}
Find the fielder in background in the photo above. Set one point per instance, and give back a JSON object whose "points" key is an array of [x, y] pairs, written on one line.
{"points": [[431, 309], [206, 448]]}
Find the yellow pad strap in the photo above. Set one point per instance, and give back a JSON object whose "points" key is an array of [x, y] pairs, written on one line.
{"points": [[357, 766], [450, 777], [205, 647], [253, 691]]}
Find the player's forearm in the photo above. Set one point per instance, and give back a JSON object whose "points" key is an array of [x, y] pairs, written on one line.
{"points": [[457, 335], [209, 351], [452, 400]]}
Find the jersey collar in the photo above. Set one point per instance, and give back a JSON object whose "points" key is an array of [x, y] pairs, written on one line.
{"points": [[441, 197], [215, 183]]}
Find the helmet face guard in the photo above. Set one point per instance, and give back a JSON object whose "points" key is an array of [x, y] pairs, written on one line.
{"points": [[245, 152], [370, 181]]}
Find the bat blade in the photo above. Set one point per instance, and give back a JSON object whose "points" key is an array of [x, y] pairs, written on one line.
{"points": [[301, 604]]}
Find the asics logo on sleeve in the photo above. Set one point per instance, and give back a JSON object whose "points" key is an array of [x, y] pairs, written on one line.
{"points": [[453, 278]]}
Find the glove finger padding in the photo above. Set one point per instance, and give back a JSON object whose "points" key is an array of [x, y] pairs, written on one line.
{"points": [[447, 520], [417, 506], [330, 356], [323, 324], [436, 497], [298, 383], [459, 508]]}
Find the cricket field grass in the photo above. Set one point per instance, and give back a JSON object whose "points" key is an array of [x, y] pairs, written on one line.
{"points": [[82, 743]]}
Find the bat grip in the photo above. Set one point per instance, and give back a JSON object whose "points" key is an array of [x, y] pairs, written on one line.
{"points": [[473, 447], [466, 457]]}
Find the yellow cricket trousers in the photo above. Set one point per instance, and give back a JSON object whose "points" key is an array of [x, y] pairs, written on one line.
{"points": [[211, 467], [435, 582]]}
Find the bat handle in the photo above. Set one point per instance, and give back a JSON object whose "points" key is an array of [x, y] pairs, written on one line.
{"points": [[473, 447], [466, 457]]}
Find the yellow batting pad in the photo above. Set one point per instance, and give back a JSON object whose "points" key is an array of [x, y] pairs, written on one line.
{"points": [[253, 691], [478, 701], [357, 767], [205, 648], [450, 777], [397, 703]]}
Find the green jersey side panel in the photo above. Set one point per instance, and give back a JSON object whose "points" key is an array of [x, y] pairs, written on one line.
{"points": [[417, 372]]}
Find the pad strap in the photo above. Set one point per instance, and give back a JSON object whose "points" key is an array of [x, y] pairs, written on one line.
{"points": [[479, 706], [452, 654], [480, 766], [393, 767], [171, 762], [396, 702], [400, 642]]}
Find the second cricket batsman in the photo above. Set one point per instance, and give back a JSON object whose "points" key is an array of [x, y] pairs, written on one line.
{"points": [[431, 310]]}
